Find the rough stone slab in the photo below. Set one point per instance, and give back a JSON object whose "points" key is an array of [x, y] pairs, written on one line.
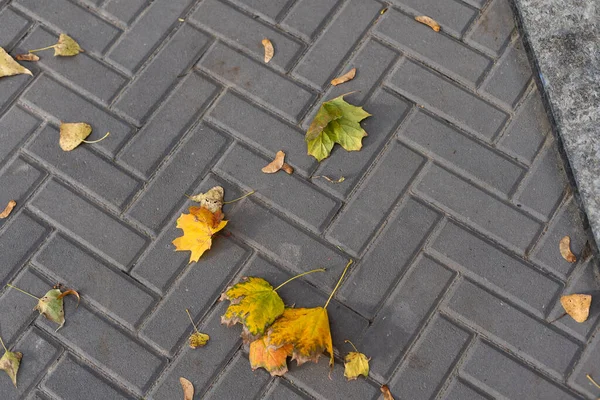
{"points": [[21, 178], [307, 16], [11, 87], [16, 125], [12, 26]]}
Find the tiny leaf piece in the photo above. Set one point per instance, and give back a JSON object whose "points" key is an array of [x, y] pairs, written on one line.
{"points": [[272, 358], [51, 305], [197, 339], [10, 363], [269, 50], [66, 46], [348, 76], [577, 306], [198, 227], [565, 249], [336, 122], [211, 200], [277, 164], [188, 388], [355, 364], [429, 22], [73, 134], [8, 209], [254, 303], [9, 67], [387, 395], [27, 57]]}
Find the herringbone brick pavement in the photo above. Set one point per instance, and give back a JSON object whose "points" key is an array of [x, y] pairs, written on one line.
{"points": [[452, 210]]}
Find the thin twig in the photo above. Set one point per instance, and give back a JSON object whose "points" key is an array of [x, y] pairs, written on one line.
{"points": [[239, 198], [298, 276], [22, 291]]}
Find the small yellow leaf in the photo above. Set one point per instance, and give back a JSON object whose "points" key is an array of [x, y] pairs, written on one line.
{"points": [[565, 249], [27, 57], [348, 76], [9, 67], [8, 209], [211, 200], [198, 227], [355, 364], [387, 395], [264, 355], [269, 50], [277, 164], [429, 22], [10, 363], [73, 134], [188, 389], [66, 46], [198, 339], [577, 306]]}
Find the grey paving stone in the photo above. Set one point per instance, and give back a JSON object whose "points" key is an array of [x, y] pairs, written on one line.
{"points": [[587, 363], [71, 380], [510, 76], [460, 391], [11, 87], [434, 48], [511, 327], [283, 390], [465, 110], [307, 16], [12, 26], [118, 295], [166, 192], [88, 223], [320, 63], [240, 379], [138, 42], [507, 377], [84, 167], [375, 197], [270, 9], [479, 208], [402, 316], [73, 107], [492, 30], [404, 235], [453, 16], [289, 193], [430, 360], [38, 354], [242, 30], [95, 35], [440, 141], [155, 80], [247, 75], [17, 181], [16, 125], [125, 10]]}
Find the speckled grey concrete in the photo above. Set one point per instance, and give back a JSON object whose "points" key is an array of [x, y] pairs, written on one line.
{"points": [[452, 210]]}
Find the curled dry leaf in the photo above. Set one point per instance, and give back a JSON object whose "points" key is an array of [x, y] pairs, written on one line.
{"points": [[27, 57], [387, 395], [430, 22], [10, 363], [9, 67], [272, 358], [198, 227], [211, 200], [277, 164], [577, 306], [8, 209], [565, 249], [188, 389], [73, 134], [269, 50], [348, 76]]}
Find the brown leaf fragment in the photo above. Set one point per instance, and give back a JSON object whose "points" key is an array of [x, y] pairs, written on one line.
{"points": [[348, 76], [565, 249], [430, 22], [277, 164], [9, 67], [387, 395], [27, 57], [577, 306], [269, 50], [8, 209], [188, 389], [211, 200]]}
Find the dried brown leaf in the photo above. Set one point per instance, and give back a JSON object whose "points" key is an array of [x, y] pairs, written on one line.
{"points": [[387, 395], [577, 306], [348, 76], [269, 50], [430, 22], [188, 389], [8, 209], [277, 164], [565, 249], [27, 57]]}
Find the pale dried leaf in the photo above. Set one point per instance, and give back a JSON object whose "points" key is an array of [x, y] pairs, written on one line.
{"points": [[277, 164], [188, 389], [8, 209], [429, 22], [66, 46], [577, 306], [73, 134], [9, 67], [212, 200], [27, 57], [565, 249], [269, 50], [348, 76]]}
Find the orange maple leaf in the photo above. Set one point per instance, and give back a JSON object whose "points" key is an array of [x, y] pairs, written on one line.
{"points": [[272, 358], [198, 227]]}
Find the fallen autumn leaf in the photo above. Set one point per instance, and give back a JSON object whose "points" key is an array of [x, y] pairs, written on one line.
{"points": [[198, 227], [73, 134], [8, 209], [430, 22], [577, 306], [9, 67], [10, 363], [269, 50], [355, 364], [27, 57], [565, 249], [277, 164], [188, 388], [197, 339], [272, 358], [211, 200], [387, 395], [51, 306], [65, 47], [348, 76]]}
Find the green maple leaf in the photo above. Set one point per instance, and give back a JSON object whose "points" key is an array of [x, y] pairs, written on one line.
{"points": [[337, 121]]}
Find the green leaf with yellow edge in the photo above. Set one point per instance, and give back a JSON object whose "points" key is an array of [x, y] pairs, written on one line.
{"points": [[51, 305], [254, 303], [337, 121], [10, 363], [355, 364], [9, 67], [272, 358]]}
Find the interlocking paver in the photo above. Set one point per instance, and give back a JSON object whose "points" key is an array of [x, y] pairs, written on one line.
{"points": [[452, 210]]}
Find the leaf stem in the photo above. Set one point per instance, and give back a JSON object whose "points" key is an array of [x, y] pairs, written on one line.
{"points": [[298, 276], [43, 48], [338, 284], [96, 141], [557, 318], [239, 198], [22, 291], [592, 380], [352, 344], [6, 350], [191, 320]]}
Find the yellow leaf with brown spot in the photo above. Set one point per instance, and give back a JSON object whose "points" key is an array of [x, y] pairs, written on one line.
{"points": [[430, 22], [269, 50], [307, 329], [198, 227], [348, 76], [565, 249], [272, 358], [198, 339], [577, 306], [9, 67]]}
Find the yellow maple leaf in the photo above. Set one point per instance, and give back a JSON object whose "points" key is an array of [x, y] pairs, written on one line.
{"points": [[265, 355], [355, 364], [198, 227]]}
